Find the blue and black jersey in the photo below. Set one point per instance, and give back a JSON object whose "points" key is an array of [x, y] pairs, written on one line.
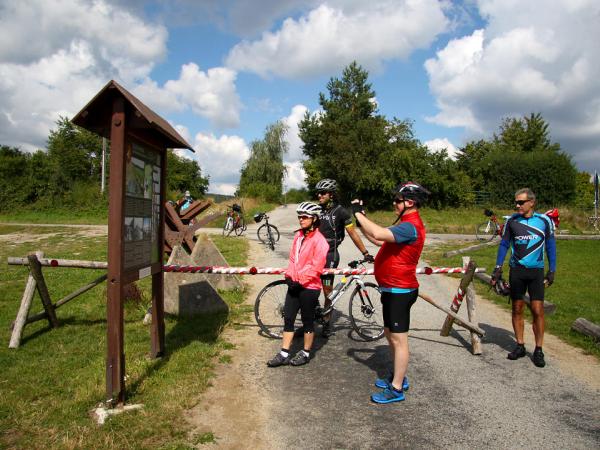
{"points": [[528, 239]]}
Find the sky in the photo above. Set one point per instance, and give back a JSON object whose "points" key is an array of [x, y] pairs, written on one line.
{"points": [[221, 71]]}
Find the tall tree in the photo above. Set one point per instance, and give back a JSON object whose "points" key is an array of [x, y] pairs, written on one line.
{"points": [[262, 174], [185, 174]]}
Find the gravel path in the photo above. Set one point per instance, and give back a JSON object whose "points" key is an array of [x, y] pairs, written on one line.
{"points": [[456, 399]]}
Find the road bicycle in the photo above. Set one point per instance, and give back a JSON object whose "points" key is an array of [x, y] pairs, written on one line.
{"points": [[488, 230], [234, 221], [267, 233], [594, 222], [365, 309]]}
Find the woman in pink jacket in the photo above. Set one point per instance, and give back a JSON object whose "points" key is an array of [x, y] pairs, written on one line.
{"points": [[303, 277]]}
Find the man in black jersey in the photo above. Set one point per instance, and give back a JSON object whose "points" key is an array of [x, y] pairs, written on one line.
{"points": [[335, 222]]}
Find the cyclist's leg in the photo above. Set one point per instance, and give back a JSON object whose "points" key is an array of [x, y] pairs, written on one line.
{"points": [[396, 315], [517, 293], [332, 262], [309, 298], [290, 311], [535, 289]]}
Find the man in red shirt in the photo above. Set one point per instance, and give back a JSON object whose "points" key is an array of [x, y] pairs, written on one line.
{"points": [[395, 272]]}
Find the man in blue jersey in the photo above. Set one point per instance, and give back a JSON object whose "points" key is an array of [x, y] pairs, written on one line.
{"points": [[530, 236]]}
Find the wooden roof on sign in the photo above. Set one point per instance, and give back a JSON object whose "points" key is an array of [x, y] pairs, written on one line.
{"points": [[96, 116]]}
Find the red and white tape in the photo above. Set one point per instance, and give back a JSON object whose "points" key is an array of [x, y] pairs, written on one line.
{"points": [[279, 270]]}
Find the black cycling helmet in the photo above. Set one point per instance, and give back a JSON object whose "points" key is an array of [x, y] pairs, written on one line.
{"points": [[412, 191], [326, 184]]}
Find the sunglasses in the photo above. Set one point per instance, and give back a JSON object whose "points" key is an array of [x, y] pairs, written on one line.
{"points": [[398, 200], [521, 202], [322, 193], [304, 217]]}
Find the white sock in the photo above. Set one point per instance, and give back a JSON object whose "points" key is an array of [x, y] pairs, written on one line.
{"points": [[284, 353], [305, 353]]}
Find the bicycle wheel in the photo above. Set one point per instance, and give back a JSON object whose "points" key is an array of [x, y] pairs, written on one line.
{"points": [[268, 309], [241, 226], [263, 235], [486, 231], [366, 312]]}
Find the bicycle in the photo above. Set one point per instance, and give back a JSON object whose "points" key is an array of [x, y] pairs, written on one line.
{"points": [[267, 233], [487, 231], [365, 309], [234, 221]]}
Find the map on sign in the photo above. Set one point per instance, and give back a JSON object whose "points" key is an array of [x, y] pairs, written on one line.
{"points": [[142, 207]]}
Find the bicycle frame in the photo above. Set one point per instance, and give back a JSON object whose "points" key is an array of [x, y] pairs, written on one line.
{"points": [[345, 282]]}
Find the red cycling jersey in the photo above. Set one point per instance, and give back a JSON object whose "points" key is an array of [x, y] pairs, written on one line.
{"points": [[396, 263]]}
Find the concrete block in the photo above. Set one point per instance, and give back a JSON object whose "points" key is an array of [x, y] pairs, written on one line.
{"points": [[189, 294], [206, 253]]}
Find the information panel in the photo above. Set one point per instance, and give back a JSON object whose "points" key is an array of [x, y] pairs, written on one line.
{"points": [[142, 207]]}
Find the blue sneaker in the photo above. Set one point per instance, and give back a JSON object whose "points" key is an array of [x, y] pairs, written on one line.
{"points": [[388, 395], [382, 383]]}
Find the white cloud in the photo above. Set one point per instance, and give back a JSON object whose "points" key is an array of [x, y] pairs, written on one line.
{"points": [[295, 143], [211, 94], [435, 145], [536, 56], [221, 158], [55, 55], [295, 176], [330, 37]]}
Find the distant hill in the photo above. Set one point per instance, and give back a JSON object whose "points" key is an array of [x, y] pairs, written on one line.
{"points": [[218, 198]]}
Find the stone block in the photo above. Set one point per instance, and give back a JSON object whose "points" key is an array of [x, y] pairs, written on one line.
{"points": [[189, 294], [206, 253]]}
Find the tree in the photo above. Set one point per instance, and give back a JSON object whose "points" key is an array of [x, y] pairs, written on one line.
{"points": [[262, 174], [185, 174], [75, 154]]}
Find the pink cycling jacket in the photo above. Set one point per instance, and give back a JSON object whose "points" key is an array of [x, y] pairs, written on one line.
{"points": [[307, 259]]}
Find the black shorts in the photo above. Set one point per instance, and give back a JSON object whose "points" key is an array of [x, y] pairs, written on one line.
{"points": [[396, 310], [523, 280], [333, 260]]}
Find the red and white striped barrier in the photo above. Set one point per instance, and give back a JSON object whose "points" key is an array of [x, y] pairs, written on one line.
{"points": [[280, 270]]}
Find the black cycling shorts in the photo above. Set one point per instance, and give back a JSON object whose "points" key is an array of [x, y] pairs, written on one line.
{"points": [[332, 262], [305, 300], [396, 310], [524, 280]]}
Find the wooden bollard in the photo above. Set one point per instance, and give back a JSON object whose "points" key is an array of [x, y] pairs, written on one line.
{"points": [[21, 320], [458, 298]]}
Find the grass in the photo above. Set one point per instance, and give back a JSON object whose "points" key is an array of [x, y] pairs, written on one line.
{"points": [[465, 220], [576, 291], [57, 375]]}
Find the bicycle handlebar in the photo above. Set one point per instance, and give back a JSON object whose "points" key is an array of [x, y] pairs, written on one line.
{"points": [[357, 262]]}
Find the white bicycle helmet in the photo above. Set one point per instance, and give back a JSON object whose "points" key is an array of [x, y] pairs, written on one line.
{"points": [[309, 208], [326, 184]]}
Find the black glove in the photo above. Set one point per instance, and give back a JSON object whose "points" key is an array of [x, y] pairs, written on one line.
{"points": [[496, 275], [369, 258], [357, 207], [293, 286], [549, 278]]}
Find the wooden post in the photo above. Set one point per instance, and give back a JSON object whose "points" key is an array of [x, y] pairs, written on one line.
{"points": [[458, 298], [36, 270], [475, 339], [20, 321], [157, 338], [115, 358], [457, 320]]}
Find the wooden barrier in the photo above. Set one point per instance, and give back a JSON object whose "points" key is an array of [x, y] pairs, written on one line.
{"points": [[458, 298], [588, 328], [36, 280], [463, 323]]}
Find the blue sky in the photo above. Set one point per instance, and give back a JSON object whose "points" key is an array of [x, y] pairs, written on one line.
{"points": [[221, 71]]}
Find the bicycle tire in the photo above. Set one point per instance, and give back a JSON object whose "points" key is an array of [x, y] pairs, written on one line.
{"points": [[241, 227], [268, 309], [263, 236], [486, 231], [366, 312]]}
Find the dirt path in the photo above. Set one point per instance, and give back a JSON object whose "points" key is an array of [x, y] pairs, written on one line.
{"points": [[456, 400]]}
